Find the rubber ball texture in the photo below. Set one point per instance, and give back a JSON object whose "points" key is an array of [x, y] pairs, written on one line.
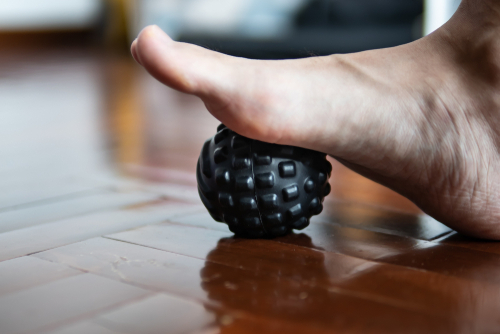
{"points": [[260, 189]]}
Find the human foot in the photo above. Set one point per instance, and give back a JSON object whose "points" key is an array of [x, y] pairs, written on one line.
{"points": [[419, 118]]}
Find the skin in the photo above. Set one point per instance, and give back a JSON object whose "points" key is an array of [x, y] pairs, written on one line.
{"points": [[422, 119]]}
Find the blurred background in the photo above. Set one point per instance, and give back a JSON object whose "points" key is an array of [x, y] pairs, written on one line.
{"points": [[75, 108], [251, 28]]}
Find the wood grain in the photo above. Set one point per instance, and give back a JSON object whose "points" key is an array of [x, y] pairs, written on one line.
{"points": [[35, 309]]}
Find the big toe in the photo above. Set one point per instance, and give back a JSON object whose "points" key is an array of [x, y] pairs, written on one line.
{"points": [[184, 67]]}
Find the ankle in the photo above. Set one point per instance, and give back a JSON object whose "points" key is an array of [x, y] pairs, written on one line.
{"points": [[476, 21], [468, 45]]}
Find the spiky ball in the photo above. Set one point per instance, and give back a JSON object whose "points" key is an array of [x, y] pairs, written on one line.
{"points": [[260, 189]]}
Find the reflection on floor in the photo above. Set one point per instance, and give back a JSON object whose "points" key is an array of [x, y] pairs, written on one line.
{"points": [[102, 230]]}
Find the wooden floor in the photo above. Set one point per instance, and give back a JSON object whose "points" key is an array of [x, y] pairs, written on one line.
{"points": [[102, 231]]}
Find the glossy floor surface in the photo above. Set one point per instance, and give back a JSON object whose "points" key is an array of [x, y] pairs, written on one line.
{"points": [[102, 230]]}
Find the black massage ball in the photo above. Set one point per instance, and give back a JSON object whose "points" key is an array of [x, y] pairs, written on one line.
{"points": [[260, 189]]}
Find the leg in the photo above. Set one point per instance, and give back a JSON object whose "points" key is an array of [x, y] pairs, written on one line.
{"points": [[419, 118]]}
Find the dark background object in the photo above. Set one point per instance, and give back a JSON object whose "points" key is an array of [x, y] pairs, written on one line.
{"points": [[330, 26], [324, 13]]}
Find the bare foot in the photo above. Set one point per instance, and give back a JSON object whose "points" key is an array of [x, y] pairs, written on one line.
{"points": [[422, 118]]}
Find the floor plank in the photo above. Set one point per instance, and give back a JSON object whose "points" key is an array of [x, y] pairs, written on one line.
{"points": [[38, 308], [69, 207], [26, 272], [152, 315], [151, 268], [40, 191]]}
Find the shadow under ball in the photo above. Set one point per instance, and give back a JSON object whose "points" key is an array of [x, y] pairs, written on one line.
{"points": [[260, 189]]}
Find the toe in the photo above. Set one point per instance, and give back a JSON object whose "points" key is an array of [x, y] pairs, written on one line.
{"points": [[133, 51], [156, 52], [185, 67]]}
